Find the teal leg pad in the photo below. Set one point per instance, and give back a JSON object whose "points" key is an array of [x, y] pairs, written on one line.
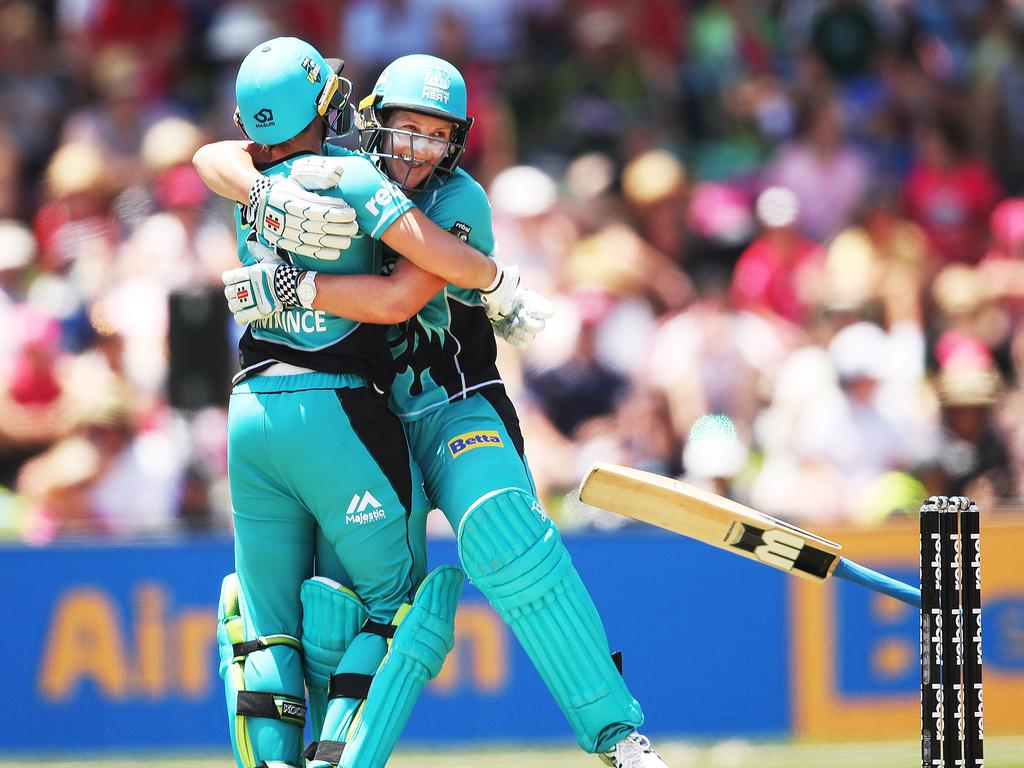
{"points": [[262, 685], [424, 637], [513, 554], [332, 616], [362, 659]]}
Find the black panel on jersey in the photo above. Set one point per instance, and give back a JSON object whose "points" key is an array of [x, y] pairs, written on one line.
{"points": [[363, 352], [500, 402], [462, 358], [383, 435]]}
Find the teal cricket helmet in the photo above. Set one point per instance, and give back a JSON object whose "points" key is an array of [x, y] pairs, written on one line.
{"points": [[417, 83], [282, 85]]}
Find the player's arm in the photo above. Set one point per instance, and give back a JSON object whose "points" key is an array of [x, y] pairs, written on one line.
{"points": [[229, 170], [283, 211], [375, 298], [432, 249]]}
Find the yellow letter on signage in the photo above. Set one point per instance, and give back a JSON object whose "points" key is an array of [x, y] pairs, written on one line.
{"points": [[150, 633], [83, 641], [197, 632], [476, 625]]}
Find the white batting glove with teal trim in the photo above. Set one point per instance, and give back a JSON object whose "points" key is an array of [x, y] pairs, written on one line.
{"points": [[499, 295], [528, 317], [257, 291], [287, 215]]}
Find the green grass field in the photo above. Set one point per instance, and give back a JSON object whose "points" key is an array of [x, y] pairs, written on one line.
{"points": [[1004, 752]]}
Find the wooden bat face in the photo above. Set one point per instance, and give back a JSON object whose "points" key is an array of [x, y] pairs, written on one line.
{"points": [[710, 518]]}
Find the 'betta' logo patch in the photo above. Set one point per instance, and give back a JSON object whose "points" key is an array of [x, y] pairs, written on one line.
{"points": [[264, 117], [312, 69], [485, 438]]}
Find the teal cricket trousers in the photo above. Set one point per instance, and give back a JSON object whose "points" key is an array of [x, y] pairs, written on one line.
{"points": [[318, 449], [475, 470]]}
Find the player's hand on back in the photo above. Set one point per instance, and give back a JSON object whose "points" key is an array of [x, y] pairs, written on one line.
{"points": [[288, 213], [257, 291], [528, 317]]}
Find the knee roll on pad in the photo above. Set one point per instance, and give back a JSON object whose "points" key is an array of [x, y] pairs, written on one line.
{"points": [[332, 616], [423, 635], [262, 684], [513, 554]]}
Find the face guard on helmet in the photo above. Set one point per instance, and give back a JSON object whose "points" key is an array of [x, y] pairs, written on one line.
{"points": [[426, 85], [283, 84]]}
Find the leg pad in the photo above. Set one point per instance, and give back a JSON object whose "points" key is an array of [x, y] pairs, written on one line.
{"points": [[513, 554]]}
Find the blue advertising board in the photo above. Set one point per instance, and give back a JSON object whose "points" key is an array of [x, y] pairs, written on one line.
{"points": [[117, 645]]}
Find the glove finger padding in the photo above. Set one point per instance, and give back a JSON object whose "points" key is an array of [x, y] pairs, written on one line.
{"points": [[311, 206], [280, 208], [310, 251], [317, 172], [537, 306], [499, 296], [529, 316], [318, 239]]}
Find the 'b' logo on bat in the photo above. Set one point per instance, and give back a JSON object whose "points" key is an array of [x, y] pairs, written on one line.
{"points": [[780, 549]]}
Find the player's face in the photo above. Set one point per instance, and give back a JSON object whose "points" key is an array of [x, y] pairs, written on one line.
{"points": [[418, 143]]}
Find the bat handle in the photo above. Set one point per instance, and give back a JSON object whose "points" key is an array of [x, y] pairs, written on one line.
{"points": [[879, 582]]}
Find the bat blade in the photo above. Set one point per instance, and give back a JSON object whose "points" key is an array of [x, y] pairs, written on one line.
{"points": [[708, 517]]}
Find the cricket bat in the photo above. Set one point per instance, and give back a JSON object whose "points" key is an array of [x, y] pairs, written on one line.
{"points": [[729, 525]]}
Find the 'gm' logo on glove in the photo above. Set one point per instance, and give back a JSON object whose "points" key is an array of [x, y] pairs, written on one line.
{"points": [[469, 441], [272, 222]]}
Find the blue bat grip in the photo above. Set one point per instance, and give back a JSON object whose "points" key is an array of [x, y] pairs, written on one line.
{"points": [[849, 570]]}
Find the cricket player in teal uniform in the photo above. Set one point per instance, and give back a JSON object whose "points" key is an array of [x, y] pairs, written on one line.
{"points": [[462, 429], [313, 446]]}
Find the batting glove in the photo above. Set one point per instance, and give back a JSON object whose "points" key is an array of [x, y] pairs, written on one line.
{"points": [[316, 172], [529, 315], [287, 215], [262, 289], [499, 295]]}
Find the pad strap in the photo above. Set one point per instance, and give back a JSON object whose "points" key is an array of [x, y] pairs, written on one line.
{"points": [[243, 649], [387, 631], [349, 685], [274, 706], [328, 751]]}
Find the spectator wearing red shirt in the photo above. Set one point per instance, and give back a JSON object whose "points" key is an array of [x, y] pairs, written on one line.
{"points": [[950, 193], [156, 30], [774, 275]]}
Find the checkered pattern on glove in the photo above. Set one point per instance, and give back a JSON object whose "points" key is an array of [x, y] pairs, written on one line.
{"points": [[286, 282]]}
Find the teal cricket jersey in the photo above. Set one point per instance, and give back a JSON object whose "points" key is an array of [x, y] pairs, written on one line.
{"points": [[447, 351], [311, 338]]}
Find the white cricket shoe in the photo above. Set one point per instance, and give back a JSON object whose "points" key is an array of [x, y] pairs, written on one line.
{"points": [[634, 751]]}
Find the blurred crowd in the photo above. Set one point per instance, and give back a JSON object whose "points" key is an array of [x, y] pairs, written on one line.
{"points": [[785, 241]]}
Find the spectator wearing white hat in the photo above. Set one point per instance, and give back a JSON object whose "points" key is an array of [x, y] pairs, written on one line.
{"points": [[850, 431]]}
